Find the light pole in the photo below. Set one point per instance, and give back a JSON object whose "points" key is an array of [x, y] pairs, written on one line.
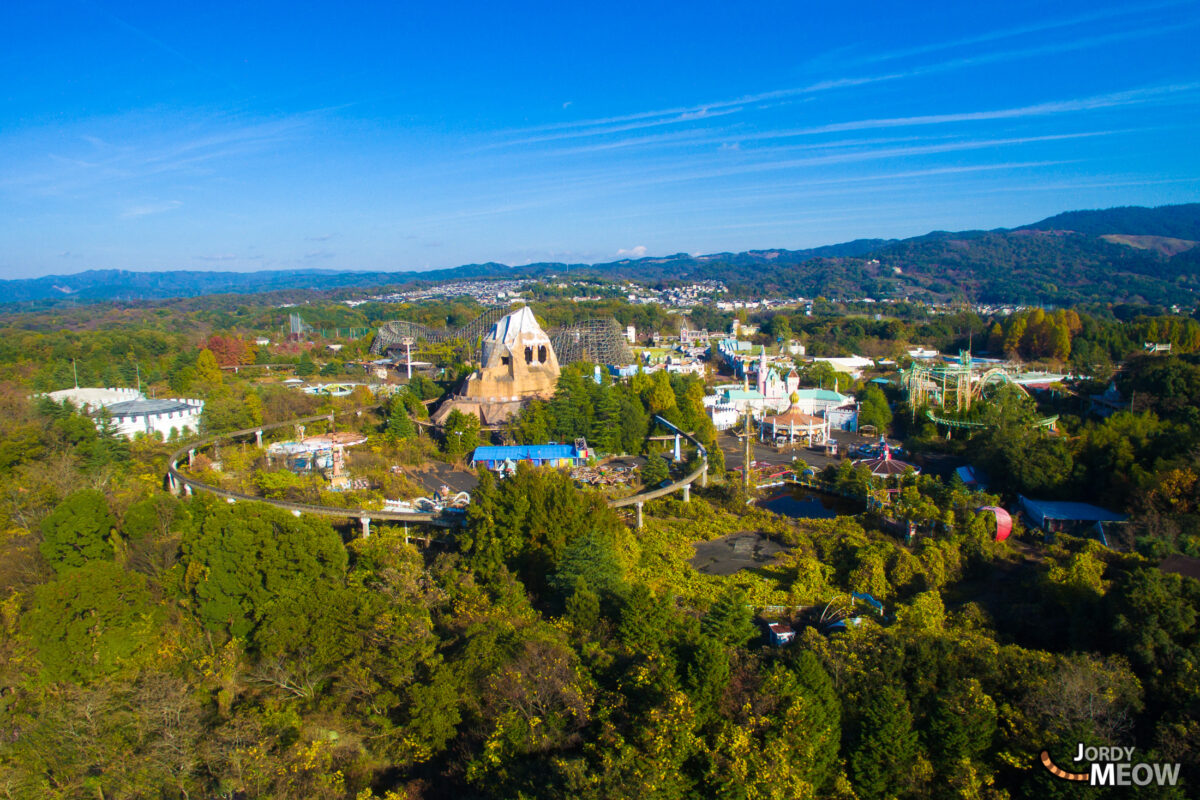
{"points": [[407, 341]]}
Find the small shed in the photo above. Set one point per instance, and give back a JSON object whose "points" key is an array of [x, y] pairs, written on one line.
{"points": [[780, 633]]}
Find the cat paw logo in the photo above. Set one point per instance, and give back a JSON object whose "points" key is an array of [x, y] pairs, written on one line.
{"points": [[1112, 766]]}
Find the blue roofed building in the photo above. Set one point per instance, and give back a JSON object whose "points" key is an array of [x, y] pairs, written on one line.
{"points": [[504, 458], [1078, 519]]}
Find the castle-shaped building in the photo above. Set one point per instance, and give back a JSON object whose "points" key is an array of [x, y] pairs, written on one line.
{"points": [[518, 364]]}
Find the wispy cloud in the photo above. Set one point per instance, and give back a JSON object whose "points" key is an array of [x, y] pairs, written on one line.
{"points": [[132, 150], [633, 252], [1053, 48], [325, 237], [846, 59], [1174, 93], [156, 42], [678, 115], [699, 114], [151, 208]]}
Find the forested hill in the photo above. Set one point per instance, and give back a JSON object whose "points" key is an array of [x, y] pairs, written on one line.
{"points": [[1177, 222], [1129, 254]]}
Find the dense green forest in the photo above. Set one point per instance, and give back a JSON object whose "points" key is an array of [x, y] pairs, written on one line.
{"points": [[163, 647]]}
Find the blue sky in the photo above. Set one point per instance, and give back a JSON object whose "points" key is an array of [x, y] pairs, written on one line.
{"points": [[408, 136]]}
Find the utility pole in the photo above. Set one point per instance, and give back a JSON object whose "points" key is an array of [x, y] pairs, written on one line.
{"points": [[748, 457], [75, 372], [407, 341]]}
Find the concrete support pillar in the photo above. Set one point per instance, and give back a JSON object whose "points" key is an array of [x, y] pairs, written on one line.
{"points": [[678, 456], [258, 437], [704, 476], [191, 458], [366, 526], [172, 485], [639, 515], [687, 493]]}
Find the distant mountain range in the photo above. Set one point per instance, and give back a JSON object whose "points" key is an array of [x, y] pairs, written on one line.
{"points": [[1128, 254]]}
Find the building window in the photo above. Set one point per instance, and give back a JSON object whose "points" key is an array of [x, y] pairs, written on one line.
{"points": [[542, 354], [506, 360], [528, 355]]}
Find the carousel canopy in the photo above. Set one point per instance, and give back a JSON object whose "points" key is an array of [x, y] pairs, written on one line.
{"points": [[885, 466]]}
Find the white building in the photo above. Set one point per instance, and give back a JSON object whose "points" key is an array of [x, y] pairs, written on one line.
{"points": [[724, 417], [131, 413], [166, 417], [852, 365], [90, 400], [684, 366]]}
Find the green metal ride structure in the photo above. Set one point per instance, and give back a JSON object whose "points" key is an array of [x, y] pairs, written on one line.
{"points": [[954, 387]]}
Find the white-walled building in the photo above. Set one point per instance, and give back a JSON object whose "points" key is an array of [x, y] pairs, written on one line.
{"points": [[165, 417], [851, 365], [132, 413], [91, 399], [724, 417]]}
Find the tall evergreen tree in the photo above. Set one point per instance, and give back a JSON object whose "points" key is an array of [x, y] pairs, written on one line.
{"points": [[729, 621], [885, 747]]}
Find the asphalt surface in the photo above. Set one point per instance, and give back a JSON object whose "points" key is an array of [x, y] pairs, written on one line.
{"points": [[735, 552], [733, 448], [435, 474]]}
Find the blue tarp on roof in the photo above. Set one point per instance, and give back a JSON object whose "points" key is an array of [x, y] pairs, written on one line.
{"points": [[525, 452], [1041, 510], [973, 477]]}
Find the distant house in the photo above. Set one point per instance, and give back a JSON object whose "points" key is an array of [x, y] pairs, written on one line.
{"points": [[780, 633], [622, 370]]}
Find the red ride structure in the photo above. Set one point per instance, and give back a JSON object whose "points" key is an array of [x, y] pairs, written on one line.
{"points": [[1003, 521]]}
